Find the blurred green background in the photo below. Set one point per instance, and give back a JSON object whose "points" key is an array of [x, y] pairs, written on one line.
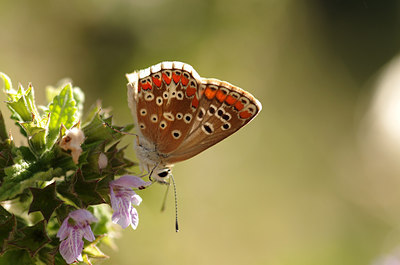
{"points": [[314, 179]]}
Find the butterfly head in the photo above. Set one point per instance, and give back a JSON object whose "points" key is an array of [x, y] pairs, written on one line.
{"points": [[161, 174]]}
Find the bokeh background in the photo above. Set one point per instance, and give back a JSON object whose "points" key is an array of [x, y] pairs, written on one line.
{"points": [[314, 179]]}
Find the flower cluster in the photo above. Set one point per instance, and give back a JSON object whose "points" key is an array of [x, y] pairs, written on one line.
{"points": [[56, 189], [77, 224]]}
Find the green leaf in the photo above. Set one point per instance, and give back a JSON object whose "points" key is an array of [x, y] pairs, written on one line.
{"points": [[86, 190], [24, 174], [98, 131], [44, 200], [31, 238], [7, 229], [16, 256], [77, 93], [36, 136], [7, 81], [3, 131], [62, 111]]}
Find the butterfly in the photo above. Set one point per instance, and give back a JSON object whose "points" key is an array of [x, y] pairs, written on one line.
{"points": [[180, 114]]}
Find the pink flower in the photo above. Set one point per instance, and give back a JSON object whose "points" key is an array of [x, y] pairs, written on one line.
{"points": [[122, 199], [73, 228]]}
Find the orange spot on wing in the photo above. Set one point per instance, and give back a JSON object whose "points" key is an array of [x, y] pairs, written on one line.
{"points": [[157, 81], [176, 77], [220, 96], [230, 100], [166, 79], [195, 102], [190, 91], [239, 105], [146, 86], [245, 114], [184, 80], [210, 93]]}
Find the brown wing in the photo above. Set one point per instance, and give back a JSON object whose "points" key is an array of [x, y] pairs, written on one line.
{"points": [[223, 109], [180, 114], [161, 101]]}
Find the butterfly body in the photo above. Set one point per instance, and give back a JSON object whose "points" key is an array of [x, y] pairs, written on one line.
{"points": [[180, 114]]}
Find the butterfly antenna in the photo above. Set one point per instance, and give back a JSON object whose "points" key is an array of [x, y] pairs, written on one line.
{"points": [[176, 206], [165, 199]]}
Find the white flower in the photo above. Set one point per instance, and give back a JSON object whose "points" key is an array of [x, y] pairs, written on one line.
{"points": [[72, 140]]}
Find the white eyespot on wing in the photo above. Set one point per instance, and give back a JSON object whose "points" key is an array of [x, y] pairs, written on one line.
{"points": [[208, 128], [179, 116], [169, 116], [220, 112], [187, 118], [163, 125], [165, 95], [143, 112], [211, 110], [201, 113], [142, 126], [148, 96], [226, 126], [154, 118], [179, 95], [159, 101], [226, 116], [176, 134]]}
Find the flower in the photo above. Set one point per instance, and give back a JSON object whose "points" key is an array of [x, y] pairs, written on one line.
{"points": [[72, 140], [122, 199], [73, 228]]}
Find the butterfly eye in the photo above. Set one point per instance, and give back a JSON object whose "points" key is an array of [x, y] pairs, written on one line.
{"points": [[163, 173]]}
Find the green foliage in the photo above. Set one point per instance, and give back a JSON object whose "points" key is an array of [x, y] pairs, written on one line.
{"points": [[42, 179]]}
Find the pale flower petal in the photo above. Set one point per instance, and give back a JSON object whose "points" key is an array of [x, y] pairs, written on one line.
{"points": [[88, 234], [71, 233], [123, 198], [136, 200], [82, 216], [63, 232], [135, 218], [72, 140], [131, 181]]}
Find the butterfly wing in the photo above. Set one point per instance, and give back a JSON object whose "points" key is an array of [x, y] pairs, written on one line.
{"points": [[223, 109], [180, 114], [160, 99]]}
